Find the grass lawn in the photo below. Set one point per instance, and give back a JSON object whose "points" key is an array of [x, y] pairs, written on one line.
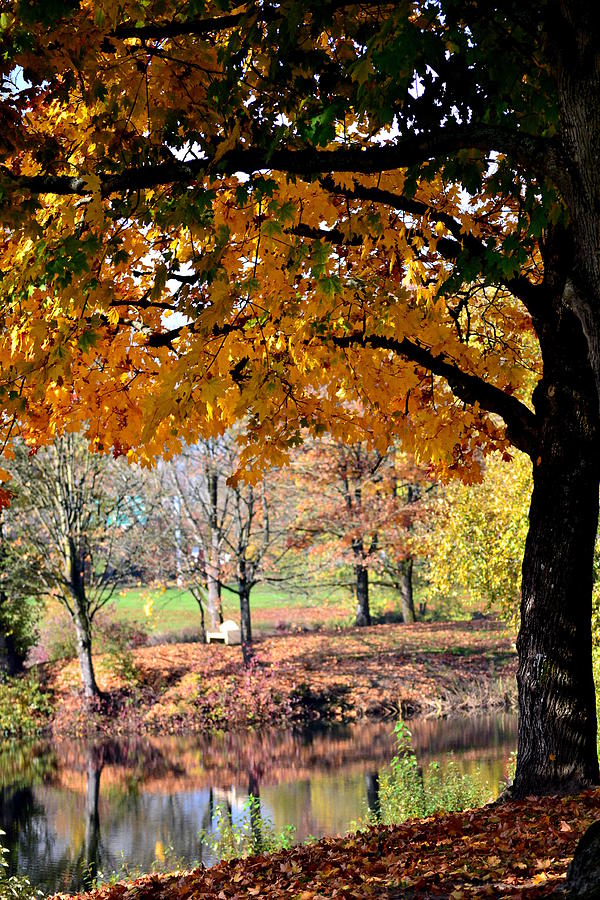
{"points": [[174, 609]]}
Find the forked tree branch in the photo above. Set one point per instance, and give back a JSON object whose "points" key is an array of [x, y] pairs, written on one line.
{"points": [[532, 296]]}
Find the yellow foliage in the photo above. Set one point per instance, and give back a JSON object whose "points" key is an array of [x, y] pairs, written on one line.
{"points": [[158, 315], [476, 545]]}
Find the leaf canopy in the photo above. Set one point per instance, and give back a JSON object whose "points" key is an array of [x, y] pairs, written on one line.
{"points": [[321, 216]]}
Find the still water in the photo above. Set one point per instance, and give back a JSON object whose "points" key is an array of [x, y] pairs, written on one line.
{"points": [[71, 809]]}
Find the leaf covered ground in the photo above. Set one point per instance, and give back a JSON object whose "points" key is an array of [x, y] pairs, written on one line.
{"points": [[512, 849], [341, 675]]}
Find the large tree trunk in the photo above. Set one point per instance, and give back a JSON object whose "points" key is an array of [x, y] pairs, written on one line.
{"points": [[557, 708], [576, 56], [405, 587]]}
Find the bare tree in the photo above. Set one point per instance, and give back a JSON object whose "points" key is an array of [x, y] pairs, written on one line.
{"points": [[203, 502], [81, 513], [227, 525]]}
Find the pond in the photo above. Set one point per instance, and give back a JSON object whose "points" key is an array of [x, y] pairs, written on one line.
{"points": [[70, 810]]}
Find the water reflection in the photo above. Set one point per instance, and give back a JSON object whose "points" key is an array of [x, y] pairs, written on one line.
{"points": [[72, 810]]}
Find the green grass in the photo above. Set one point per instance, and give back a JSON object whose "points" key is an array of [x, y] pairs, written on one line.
{"points": [[175, 609]]}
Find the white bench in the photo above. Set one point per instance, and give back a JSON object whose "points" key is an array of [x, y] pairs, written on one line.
{"points": [[228, 632]]}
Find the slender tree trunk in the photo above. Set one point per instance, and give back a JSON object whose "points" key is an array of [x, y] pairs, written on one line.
{"points": [[84, 653], [557, 708], [213, 568], [405, 586], [363, 612], [245, 620], [213, 590], [196, 593]]}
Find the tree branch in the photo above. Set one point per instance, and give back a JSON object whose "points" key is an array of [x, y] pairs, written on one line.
{"points": [[162, 30], [532, 296], [402, 153], [211, 24], [521, 423]]}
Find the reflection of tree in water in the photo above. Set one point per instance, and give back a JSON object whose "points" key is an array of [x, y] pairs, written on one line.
{"points": [[17, 808], [29, 838], [373, 799], [256, 826], [91, 845], [95, 806], [463, 733]]}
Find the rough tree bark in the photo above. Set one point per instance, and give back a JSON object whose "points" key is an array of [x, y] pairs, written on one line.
{"points": [[575, 48], [557, 709]]}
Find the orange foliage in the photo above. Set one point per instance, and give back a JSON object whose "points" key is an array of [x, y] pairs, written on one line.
{"points": [[379, 672], [150, 313]]}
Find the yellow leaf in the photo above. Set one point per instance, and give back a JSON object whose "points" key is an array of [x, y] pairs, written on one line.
{"points": [[228, 144]]}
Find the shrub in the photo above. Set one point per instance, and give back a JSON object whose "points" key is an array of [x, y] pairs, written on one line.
{"points": [[56, 636], [117, 639], [165, 862], [24, 707], [406, 791], [254, 834], [19, 624]]}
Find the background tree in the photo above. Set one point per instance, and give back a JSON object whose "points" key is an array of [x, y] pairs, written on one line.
{"points": [[478, 536], [198, 478], [81, 515], [404, 542], [352, 514], [301, 173], [231, 530]]}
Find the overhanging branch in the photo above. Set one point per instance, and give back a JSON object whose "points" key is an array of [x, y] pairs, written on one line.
{"points": [[402, 153], [163, 30], [204, 26], [521, 423]]}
